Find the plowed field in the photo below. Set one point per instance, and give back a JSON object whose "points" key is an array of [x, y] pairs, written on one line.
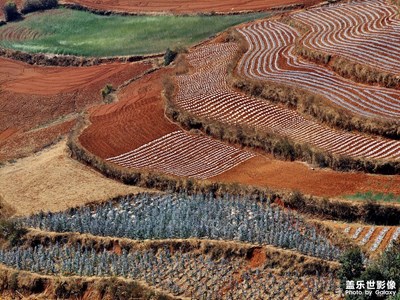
{"points": [[134, 134], [36, 101], [138, 119]]}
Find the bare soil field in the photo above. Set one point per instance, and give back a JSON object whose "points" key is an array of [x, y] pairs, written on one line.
{"points": [[134, 133], [38, 98], [263, 171], [51, 180], [136, 119], [17, 143], [185, 6]]}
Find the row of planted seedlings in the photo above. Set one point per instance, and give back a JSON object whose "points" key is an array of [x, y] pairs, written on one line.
{"points": [[178, 271], [180, 216]]}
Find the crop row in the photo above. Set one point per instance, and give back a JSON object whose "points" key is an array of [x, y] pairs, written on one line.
{"points": [[188, 274], [383, 236], [271, 57], [205, 93], [199, 216], [366, 32], [181, 154]]}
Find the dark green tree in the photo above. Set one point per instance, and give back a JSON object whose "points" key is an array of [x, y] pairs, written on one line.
{"points": [[11, 12]]}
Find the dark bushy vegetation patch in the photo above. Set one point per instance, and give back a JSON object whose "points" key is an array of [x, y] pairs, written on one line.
{"points": [[29, 6], [11, 231], [386, 268], [169, 56], [370, 212], [11, 12]]}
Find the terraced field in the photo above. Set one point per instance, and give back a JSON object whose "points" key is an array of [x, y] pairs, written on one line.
{"points": [[181, 273], [37, 104], [198, 216], [55, 32], [181, 154], [186, 6], [374, 238], [363, 31], [189, 246], [271, 58], [206, 93], [263, 240]]}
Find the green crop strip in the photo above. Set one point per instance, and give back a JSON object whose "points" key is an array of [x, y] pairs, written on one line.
{"points": [[65, 31]]}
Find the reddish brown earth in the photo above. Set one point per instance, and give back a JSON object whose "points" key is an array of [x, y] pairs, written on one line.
{"points": [[136, 119], [186, 6], [37, 104], [24, 143], [263, 171]]}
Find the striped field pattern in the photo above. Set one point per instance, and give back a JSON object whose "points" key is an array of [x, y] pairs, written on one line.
{"points": [[374, 238], [181, 154], [367, 32], [271, 58], [206, 93]]}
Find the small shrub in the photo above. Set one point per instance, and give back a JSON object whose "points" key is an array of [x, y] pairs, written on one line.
{"points": [[13, 282], [29, 6], [169, 56], [106, 93], [351, 265], [11, 231], [11, 12]]}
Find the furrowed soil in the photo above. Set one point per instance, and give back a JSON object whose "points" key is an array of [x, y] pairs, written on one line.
{"points": [[51, 180], [37, 104], [136, 119], [186, 6]]}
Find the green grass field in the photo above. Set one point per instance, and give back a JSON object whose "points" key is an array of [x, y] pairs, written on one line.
{"points": [[380, 197], [65, 31]]}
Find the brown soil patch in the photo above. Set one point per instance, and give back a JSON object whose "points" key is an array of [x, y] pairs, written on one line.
{"points": [[258, 258], [136, 119], [22, 144], [264, 171], [386, 240], [186, 6], [33, 97], [51, 180]]}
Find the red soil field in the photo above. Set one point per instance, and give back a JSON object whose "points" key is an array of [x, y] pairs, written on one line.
{"points": [[186, 6], [136, 119], [22, 143], [37, 100], [134, 133], [276, 174]]}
